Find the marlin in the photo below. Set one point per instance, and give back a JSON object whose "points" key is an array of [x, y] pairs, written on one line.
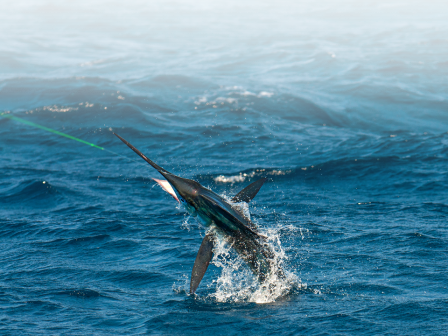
{"points": [[225, 220]]}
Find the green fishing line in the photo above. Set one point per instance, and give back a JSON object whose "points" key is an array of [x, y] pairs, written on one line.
{"points": [[48, 129], [29, 123]]}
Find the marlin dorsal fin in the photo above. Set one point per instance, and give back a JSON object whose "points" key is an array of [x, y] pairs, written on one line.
{"points": [[248, 193]]}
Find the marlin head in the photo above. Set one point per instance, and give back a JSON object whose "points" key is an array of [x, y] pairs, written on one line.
{"points": [[187, 191], [183, 190]]}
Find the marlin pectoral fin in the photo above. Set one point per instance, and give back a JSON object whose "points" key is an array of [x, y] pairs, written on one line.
{"points": [[167, 187], [248, 193], [202, 261]]}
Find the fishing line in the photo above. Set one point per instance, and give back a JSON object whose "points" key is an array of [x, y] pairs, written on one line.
{"points": [[49, 130], [29, 123]]}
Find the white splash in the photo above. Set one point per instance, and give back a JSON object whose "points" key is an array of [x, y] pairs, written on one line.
{"points": [[241, 206], [237, 283], [186, 223]]}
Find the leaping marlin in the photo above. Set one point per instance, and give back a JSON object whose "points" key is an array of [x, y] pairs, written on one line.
{"points": [[226, 220]]}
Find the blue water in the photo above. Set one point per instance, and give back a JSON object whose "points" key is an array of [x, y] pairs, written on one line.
{"points": [[344, 107]]}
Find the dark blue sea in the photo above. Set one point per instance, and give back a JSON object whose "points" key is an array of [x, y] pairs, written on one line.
{"points": [[343, 106]]}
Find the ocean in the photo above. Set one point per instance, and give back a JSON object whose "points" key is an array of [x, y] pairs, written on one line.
{"points": [[343, 106]]}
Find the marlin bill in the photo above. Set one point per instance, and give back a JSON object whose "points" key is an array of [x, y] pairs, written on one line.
{"points": [[224, 220]]}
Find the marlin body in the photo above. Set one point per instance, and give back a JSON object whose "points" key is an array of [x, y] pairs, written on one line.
{"points": [[224, 218]]}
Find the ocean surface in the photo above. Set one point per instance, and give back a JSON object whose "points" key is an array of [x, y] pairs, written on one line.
{"points": [[342, 106]]}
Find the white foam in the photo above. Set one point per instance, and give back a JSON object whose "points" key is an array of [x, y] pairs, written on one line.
{"points": [[247, 93], [265, 94], [230, 179], [241, 177], [55, 108]]}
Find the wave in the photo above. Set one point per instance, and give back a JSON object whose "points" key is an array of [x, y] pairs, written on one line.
{"points": [[344, 168], [81, 293], [154, 100], [29, 192]]}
